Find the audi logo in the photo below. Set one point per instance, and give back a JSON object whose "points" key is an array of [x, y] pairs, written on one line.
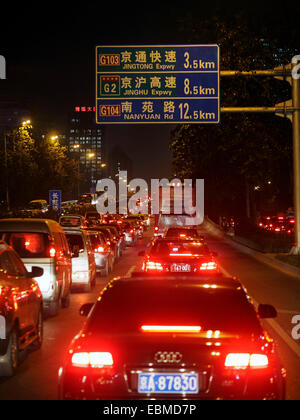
{"points": [[168, 357]]}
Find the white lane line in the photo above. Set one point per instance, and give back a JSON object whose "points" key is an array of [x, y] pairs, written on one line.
{"points": [[275, 325], [287, 311], [130, 271]]}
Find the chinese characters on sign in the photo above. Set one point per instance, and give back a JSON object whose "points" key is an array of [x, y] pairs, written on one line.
{"points": [[55, 199], [157, 84]]}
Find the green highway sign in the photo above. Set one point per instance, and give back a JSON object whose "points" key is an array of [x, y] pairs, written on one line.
{"points": [[157, 84]]}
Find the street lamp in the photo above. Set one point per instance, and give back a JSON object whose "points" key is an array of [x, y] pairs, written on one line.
{"points": [[91, 156]]}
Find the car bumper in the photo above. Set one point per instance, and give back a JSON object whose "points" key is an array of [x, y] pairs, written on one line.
{"points": [[120, 386]]}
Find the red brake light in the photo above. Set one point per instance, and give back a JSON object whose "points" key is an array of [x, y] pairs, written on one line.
{"points": [[208, 266], [171, 328], [245, 360], [156, 228], [292, 221], [131, 231], [151, 265], [94, 359], [52, 252], [100, 249]]}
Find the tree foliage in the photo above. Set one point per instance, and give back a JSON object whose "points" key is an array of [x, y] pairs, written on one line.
{"points": [[244, 149], [35, 164]]}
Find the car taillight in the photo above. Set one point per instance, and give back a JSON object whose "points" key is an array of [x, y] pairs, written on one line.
{"points": [[52, 252], [208, 266], [131, 231], [171, 328], [156, 228], [151, 265], [93, 359], [99, 249], [245, 360]]}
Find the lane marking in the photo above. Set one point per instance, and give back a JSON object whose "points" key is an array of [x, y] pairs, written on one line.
{"points": [[287, 311], [130, 271], [275, 325]]}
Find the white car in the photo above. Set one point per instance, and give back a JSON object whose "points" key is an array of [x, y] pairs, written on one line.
{"points": [[42, 243], [83, 259]]}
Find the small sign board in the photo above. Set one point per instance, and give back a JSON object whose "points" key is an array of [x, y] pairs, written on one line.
{"points": [[55, 200]]}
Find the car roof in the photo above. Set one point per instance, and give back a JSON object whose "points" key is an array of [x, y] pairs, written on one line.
{"points": [[38, 201], [68, 230], [166, 282], [182, 227], [33, 225], [144, 279], [176, 239]]}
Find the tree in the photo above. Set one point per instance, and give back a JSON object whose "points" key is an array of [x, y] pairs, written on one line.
{"points": [[36, 165], [244, 151]]}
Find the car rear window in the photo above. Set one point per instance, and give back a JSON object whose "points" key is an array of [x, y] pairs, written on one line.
{"points": [[28, 244], [175, 248], [70, 221], [173, 232], [75, 242], [96, 240], [125, 308]]}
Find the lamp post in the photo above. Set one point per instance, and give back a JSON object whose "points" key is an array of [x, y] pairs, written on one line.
{"points": [[91, 156], [77, 148]]}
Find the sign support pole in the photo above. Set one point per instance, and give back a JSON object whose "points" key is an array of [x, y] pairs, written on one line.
{"points": [[281, 73], [296, 156]]}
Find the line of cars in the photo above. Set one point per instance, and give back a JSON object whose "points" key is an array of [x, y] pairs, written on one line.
{"points": [[178, 329], [41, 263], [277, 224]]}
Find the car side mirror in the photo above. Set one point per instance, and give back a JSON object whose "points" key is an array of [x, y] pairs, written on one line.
{"points": [[35, 272], [85, 309], [141, 254], [267, 311]]}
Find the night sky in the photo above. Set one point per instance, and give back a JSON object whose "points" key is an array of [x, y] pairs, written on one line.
{"points": [[49, 48]]}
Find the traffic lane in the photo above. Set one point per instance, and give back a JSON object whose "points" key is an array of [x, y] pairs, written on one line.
{"points": [[268, 285], [36, 378]]}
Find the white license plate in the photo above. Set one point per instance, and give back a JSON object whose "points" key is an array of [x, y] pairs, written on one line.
{"points": [[168, 383], [180, 268]]}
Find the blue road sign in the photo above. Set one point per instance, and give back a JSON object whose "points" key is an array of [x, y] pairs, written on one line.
{"points": [[157, 84], [55, 199]]}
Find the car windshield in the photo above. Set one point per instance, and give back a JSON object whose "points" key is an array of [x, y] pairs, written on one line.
{"points": [[193, 248], [125, 308], [28, 244]]}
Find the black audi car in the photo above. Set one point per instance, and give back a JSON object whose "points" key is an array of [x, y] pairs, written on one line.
{"points": [[179, 256], [172, 338]]}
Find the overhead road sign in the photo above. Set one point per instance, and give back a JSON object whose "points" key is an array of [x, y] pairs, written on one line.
{"points": [[157, 84]]}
